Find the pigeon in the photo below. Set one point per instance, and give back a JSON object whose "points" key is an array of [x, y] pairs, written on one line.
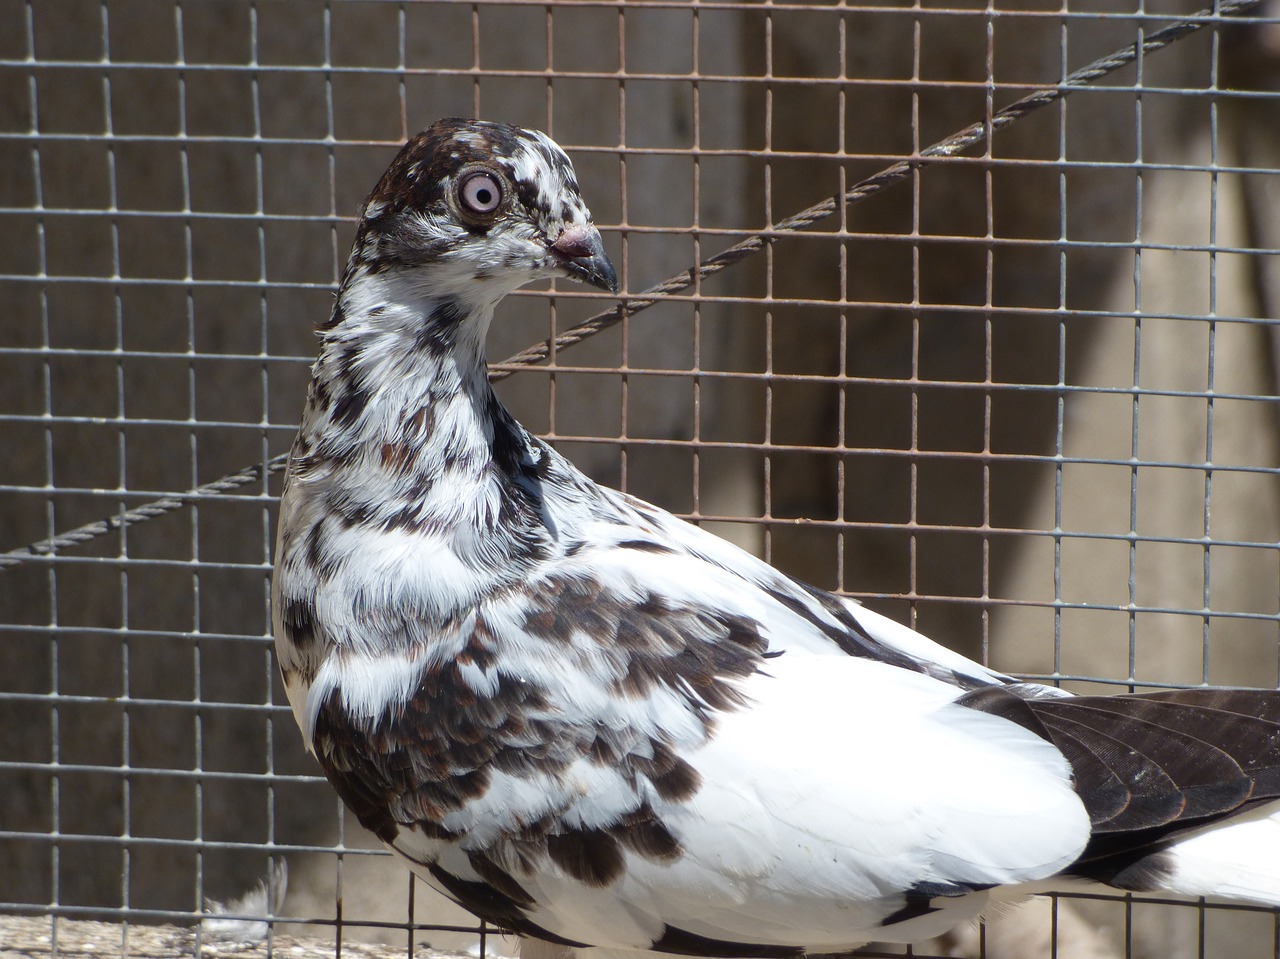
{"points": [[596, 725]]}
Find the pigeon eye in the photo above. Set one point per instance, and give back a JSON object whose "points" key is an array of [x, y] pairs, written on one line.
{"points": [[480, 193]]}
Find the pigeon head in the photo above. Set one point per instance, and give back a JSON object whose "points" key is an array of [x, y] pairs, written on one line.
{"points": [[472, 210]]}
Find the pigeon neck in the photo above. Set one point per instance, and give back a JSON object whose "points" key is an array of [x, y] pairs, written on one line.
{"points": [[404, 473], [401, 386]]}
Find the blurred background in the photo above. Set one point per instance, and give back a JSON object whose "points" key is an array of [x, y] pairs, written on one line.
{"points": [[1025, 400]]}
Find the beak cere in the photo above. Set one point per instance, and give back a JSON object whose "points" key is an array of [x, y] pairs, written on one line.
{"points": [[581, 255]]}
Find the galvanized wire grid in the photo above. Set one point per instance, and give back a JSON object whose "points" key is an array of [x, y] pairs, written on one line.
{"points": [[1025, 399]]}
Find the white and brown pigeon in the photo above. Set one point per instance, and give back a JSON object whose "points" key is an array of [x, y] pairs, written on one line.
{"points": [[594, 724]]}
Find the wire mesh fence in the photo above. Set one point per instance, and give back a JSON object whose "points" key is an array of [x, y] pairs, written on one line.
{"points": [[1019, 391]]}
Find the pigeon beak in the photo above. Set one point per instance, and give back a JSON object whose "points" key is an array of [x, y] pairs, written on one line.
{"points": [[580, 253]]}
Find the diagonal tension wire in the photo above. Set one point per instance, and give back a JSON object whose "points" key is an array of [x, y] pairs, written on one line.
{"points": [[82, 534], [970, 136], [961, 140]]}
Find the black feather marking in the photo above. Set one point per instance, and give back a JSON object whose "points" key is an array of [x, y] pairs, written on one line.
{"points": [[672, 778], [315, 551], [439, 332], [500, 880], [644, 833], [298, 617], [349, 405], [846, 632], [945, 890], [919, 900], [645, 546], [1146, 872], [408, 518], [318, 398], [510, 445], [914, 908], [683, 943], [336, 318], [350, 512], [321, 561], [589, 855], [492, 905]]}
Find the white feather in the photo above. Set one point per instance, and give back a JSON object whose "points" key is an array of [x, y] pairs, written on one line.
{"points": [[369, 686], [1238, 859]]}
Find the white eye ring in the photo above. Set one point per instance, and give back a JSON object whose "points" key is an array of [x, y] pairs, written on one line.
{"points": [[480, 193]]}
